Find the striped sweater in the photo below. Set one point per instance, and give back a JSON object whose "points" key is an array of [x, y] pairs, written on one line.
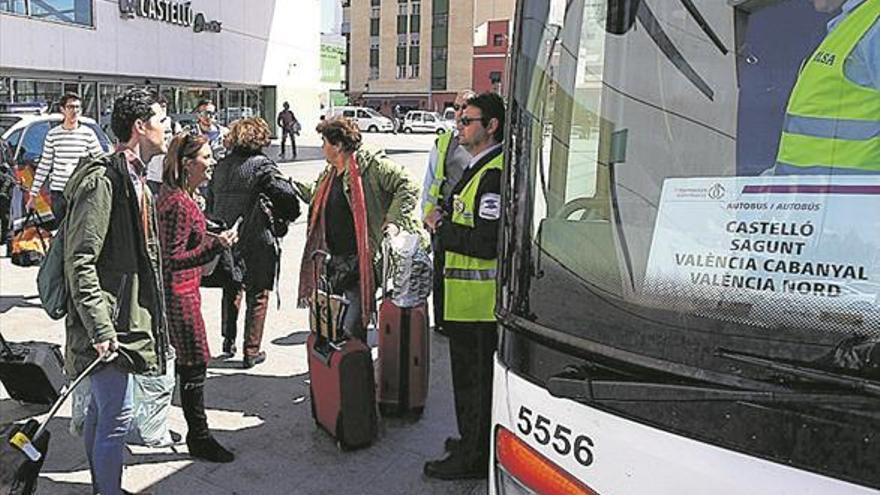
{"points": [[62, 150]]}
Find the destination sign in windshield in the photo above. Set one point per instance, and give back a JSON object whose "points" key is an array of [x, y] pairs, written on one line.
{"points": [[770, 249]]}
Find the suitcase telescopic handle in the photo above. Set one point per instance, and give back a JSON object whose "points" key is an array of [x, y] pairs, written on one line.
{"points": [[100, 360]]}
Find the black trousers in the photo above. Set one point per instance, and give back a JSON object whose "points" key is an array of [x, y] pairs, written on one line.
{"points": [[437, 296], [284, 135], [471, 347]]}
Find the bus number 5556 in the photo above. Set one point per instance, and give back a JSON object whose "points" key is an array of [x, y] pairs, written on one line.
{"points": [[540, 427]]}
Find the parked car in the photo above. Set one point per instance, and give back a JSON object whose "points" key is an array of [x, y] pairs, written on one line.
{"points": [[422, 121], [24, 135], [367, 119]]}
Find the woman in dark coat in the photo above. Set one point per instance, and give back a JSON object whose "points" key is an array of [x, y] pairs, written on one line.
{"points": [[186, 246], [247, 185]]}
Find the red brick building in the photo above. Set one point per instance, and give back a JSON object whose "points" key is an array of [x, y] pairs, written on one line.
{"points": [[491, 46]]}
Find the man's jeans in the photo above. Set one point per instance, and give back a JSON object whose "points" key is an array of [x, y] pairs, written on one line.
{"points": [[106, 425]]}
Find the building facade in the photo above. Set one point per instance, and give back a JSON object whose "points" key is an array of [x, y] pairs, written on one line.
{"points": [[248, 56], [414, 53], [491, 45]]}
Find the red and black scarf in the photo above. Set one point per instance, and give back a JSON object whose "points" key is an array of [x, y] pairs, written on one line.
{"points": [[315, 240]]}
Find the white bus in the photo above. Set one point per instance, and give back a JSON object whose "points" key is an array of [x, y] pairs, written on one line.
{"points": [[678, 316]]}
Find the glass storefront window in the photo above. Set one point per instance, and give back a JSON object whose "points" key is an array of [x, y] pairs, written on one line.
{"points": [[46, 92], [69, 11], [170, 94], [254, 101], [14, 6], [5, 90], [234, 106], [107, 94], [88, 94]]}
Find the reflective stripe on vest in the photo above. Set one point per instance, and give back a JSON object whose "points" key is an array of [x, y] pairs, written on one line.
{"points": [[831, 122], [461, 274], [468, 282], [435, 195]]}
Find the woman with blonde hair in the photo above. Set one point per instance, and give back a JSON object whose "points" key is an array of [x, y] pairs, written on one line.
{"points": [[186, 246], [247, 185]]}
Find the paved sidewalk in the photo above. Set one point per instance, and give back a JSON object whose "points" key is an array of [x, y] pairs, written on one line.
{"points": [[263, 413]]}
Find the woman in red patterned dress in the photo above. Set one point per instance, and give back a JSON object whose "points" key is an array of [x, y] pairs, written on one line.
{"points": [[186, 246]]}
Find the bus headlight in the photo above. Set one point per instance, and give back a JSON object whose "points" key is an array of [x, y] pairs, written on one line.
{"points": [[520, 469]]}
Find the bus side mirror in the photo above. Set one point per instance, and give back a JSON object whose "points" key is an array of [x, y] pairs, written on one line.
{"points": [[621, 15]]}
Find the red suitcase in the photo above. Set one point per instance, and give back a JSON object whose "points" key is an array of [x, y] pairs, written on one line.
{"points": [[404, 355], [341, 386], [342, 390]]}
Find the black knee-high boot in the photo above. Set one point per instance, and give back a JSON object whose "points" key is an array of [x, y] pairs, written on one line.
{"points": [[192, 399]]}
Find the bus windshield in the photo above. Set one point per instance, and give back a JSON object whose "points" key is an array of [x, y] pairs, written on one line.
{"points": [[691, 189], [679, 169]]}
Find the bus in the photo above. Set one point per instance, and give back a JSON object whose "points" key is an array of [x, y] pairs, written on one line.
{"points": [[678, 312]]}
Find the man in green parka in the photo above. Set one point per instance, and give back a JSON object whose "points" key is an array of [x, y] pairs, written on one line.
{"points": [[112, 268]]}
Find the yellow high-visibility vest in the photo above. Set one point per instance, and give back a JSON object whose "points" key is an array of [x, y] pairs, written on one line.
{"points": [[832, 125], [468, 282]]}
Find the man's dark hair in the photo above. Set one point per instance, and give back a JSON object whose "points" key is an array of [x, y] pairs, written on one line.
{"points": [[66, 98], [134, 104], [491, 106], [160, 99], [203, 102]]}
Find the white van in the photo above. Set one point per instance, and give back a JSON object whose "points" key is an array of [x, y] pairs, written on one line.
{"points": [[422, 121], [449, 115], [367, 119]]}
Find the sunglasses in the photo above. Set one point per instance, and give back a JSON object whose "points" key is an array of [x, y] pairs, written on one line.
{"points": [[466, 121], [206, 113]]}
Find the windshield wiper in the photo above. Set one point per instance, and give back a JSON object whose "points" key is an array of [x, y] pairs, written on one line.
{"points": [[853, 383], [591, 390]]}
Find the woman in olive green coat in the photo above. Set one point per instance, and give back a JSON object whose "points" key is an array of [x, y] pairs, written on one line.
{"points": [[358, 198]]}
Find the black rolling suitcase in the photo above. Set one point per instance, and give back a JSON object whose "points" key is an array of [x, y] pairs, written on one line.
{"points": [[24, 447], [32, 371]]}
